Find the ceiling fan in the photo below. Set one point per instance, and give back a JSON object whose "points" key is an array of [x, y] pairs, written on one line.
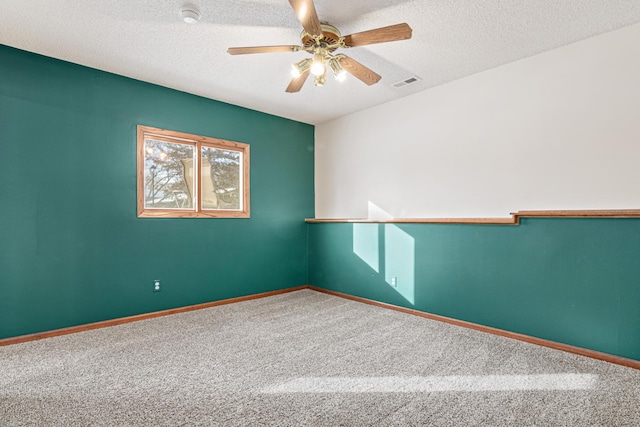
{"points": [[322, 40]]}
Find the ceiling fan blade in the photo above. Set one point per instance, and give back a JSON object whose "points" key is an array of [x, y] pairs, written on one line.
{"points": [[306, 12], [297, 82], [359, 71], [261, 49], [379, 35]]}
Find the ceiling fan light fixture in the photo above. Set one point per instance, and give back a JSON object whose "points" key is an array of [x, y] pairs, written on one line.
{"points": [[339, 73], [317, 67], [300, 68], [321, 40]]}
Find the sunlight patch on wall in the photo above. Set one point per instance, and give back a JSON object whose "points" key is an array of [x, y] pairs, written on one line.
{"points": [[436, 384], [365, 244], [376, 212], [399, 258], [389, 252]]}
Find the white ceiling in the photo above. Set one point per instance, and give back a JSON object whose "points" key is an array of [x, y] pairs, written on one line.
{"points": [[147, 40]]}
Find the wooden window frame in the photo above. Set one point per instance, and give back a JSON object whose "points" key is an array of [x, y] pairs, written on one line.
{"points": [[198, 142]]}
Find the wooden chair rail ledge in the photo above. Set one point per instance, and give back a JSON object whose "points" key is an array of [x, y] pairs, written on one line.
{"points": [[513, 220]]}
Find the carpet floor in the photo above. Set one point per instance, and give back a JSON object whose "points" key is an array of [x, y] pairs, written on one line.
{"points": [[306, 359]]}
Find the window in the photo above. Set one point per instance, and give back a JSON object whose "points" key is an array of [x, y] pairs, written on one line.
{"points": [[189, 176]]}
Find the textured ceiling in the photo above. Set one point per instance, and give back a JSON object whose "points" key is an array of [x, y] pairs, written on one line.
{"points": [[147, 40]]}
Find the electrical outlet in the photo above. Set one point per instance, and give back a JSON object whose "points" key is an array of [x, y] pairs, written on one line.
{"points": [[394, 281], [156, 286]]}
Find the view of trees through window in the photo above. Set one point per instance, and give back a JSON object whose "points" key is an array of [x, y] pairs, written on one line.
{"points": [[169, 176], [225, 172], [182, 175], [165, 183]]}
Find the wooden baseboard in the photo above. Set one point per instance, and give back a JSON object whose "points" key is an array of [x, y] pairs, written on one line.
{"points": [[122, 320], [630, 363]]}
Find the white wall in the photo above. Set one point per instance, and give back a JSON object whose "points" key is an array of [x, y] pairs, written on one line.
{"points": [[560, 130]]}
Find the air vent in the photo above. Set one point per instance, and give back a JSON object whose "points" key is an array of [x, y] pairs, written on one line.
{"points": [[411, 80]]}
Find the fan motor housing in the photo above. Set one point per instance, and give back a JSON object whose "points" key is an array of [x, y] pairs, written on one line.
{"points": [[330, 36]]}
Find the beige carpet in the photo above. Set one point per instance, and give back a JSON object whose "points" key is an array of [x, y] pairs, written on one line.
{"points": [[306, 358]]}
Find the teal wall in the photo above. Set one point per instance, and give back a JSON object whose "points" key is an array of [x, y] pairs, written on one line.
{"points": [[72, 250], [574, 281]]}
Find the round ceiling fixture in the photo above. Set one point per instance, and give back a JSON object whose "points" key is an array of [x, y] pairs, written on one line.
{"points": [[190, 14]]}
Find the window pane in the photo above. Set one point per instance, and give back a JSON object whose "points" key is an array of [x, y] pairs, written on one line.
{"points": [[181, 175], [221, 179], [168, 175]]}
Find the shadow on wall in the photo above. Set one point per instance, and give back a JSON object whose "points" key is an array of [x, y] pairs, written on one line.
{"points": [[389, 251]]}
